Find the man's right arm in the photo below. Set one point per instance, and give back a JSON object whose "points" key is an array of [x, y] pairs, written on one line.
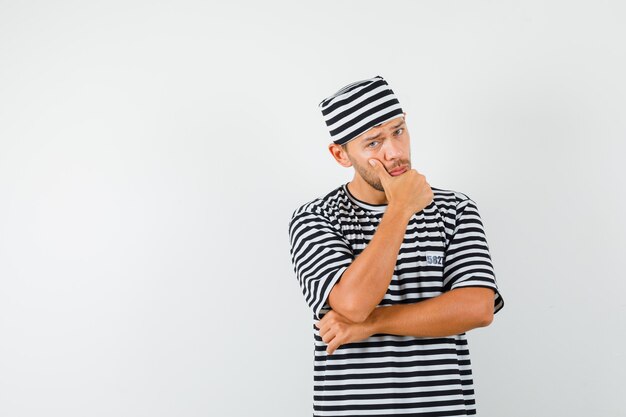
{"points": [[365, 282]]}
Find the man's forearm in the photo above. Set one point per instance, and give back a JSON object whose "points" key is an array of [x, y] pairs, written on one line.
{"points": [[364, 284], [450, 313]]}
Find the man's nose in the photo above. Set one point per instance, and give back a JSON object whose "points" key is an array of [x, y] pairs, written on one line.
{"points": [[392, 150]]}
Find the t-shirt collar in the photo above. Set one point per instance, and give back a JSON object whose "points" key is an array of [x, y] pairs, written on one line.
{"points": [[367, 206]]}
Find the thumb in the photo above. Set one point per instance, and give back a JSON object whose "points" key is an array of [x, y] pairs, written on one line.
{"points": [[379, 168]]}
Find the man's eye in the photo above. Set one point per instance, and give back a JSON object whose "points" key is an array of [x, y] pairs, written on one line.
{"points": [[369, 145], [399, 130]]}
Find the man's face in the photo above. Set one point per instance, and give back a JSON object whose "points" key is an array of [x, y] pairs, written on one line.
{"points": [[389, 143]]}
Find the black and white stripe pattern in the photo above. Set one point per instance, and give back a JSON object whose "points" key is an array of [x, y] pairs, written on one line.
{"points": [[445, 247], [358, 107]]}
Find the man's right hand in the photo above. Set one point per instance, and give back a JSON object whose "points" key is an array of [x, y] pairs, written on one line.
{"points": [[408, 191]]}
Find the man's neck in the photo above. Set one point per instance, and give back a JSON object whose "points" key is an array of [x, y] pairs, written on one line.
{"points": [[365, 192]]}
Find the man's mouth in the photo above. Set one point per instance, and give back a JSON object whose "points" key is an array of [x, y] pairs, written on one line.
{"points": [[398, 171]]}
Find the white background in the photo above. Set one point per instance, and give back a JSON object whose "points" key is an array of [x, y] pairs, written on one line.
{"points": [[151, 155]]}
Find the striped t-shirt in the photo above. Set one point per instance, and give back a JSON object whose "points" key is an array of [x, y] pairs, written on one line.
{"points": [[444, 248]]}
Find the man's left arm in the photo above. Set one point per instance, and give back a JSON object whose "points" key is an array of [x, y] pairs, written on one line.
{"points": [[450, 313]]}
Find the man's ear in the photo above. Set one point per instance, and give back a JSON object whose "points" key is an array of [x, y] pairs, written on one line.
{"points": [[340, 155]]}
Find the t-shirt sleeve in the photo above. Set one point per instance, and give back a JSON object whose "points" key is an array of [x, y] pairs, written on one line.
{"points": [[320, 254], [467, 262]]}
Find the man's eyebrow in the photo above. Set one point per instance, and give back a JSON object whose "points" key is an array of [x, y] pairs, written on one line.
{"points": [[365, 139], [399, 124], [378, 134]]}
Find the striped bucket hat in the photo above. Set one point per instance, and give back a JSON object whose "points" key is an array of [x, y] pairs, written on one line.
{"points": [[358, 107]]}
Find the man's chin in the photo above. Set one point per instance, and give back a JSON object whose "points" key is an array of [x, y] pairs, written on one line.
{"points": [[377, 186]]}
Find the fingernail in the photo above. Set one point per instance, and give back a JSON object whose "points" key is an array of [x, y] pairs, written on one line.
{"points": [[372, 163]]}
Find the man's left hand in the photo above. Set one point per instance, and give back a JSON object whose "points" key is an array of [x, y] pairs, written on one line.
{"points": [[336, 330]]}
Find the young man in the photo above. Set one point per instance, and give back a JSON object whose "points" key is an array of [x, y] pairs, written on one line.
{"points": [[394, 270]]}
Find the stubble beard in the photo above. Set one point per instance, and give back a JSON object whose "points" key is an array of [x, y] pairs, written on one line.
{"points": [[370, 176]]}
